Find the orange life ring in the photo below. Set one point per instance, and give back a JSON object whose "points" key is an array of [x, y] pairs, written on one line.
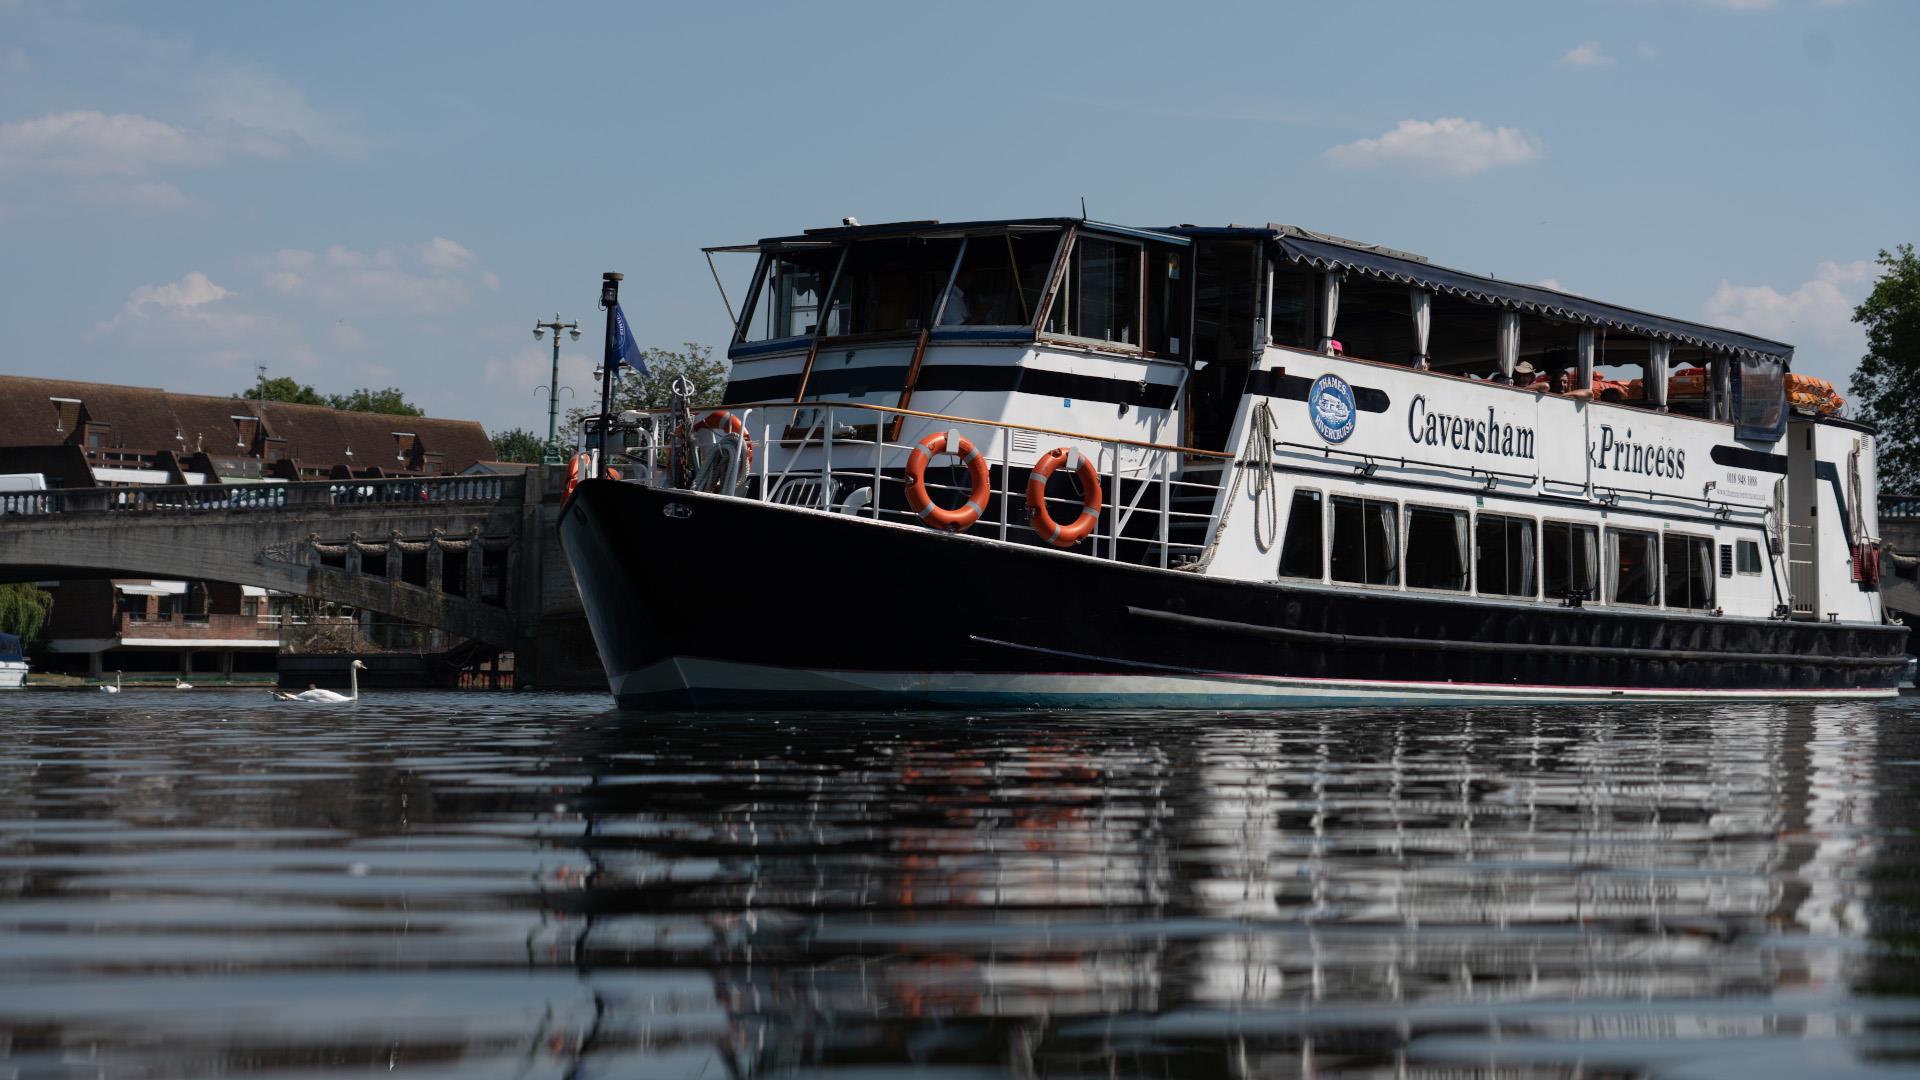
{"points": [[1043, 523], [721, 419], [922, 504], [576, 470]]}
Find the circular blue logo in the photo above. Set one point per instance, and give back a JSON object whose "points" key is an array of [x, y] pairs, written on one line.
{"points": [[1330, 406]]}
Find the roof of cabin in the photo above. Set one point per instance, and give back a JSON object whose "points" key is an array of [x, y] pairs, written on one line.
{"points": [[1323, 251]]}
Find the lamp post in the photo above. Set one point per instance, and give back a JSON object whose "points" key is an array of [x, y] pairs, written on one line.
{"points": [[552, 455]]}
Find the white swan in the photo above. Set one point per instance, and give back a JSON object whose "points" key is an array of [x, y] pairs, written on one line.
{"points": [[181, 684], [115, 688], [328, 697]]}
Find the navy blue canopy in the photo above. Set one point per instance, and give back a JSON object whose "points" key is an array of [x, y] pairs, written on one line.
{"points": [[9, 647]]}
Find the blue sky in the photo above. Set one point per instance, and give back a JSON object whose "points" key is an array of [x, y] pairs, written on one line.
{"points": [[392, 193]]}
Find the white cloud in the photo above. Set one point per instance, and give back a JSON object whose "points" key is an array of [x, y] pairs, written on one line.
{"points": [[90, 144], [1449, 146], [429, 278], [190, 309], [1816, 316], [1586, 54], [251, 106]]}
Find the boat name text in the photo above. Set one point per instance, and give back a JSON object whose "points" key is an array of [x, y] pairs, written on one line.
{"points": [[1488, 436]]}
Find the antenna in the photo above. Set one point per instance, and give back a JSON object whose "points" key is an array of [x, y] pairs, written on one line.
{"points": [[1083, 208]]}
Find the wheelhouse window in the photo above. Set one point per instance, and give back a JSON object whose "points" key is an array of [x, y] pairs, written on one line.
{"points": [[1366, 534], [1301, 554], [1100, 298], [1689, 571], [1002, 279], [1504, 555], [1436, 549], [1636, 567], [892, 286], [787, 304], [1759, 399], [1571, 556], [1747, 556]]}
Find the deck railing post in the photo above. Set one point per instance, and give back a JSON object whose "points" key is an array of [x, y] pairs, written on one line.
{"points": [[1166, 506], [1006, 478], [879, 452], [1113, 543], [826, 463]]}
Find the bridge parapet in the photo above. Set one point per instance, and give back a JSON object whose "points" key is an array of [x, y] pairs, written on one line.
{"points": [[288, 496]]}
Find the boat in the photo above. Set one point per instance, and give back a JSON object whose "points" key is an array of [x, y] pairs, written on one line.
{"points": [[13, 663], [1058, 462]]}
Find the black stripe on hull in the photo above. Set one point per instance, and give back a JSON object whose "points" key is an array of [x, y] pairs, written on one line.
{"points": [[723, 585]]}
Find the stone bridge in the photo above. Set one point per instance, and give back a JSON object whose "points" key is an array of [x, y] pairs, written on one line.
{"points": [[476, 556]]}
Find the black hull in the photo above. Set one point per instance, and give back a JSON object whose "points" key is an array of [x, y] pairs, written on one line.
{"points": [[710, 601]]}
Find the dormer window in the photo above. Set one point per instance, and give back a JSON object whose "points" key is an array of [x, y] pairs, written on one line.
{"points": [[66, 414]]}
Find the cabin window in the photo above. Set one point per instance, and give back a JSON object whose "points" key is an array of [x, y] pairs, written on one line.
{"points": [[1002, 279], [1572, 556], [1167, 302], [1366, 535], [1100, 299], [1296, 303], [1436, 549], [1747, 557], [1636, 567], [1504, 558], [788, 303], [894, 287], [1300, 554], [1689, 576]]}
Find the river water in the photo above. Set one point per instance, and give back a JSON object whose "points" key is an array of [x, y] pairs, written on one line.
{"points": [[495, 885]]}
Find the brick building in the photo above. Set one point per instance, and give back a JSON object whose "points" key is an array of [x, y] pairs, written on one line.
{"points": [[78, 434]]}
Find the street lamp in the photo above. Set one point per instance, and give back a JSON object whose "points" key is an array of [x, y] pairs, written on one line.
{"points": [[552, 456]]}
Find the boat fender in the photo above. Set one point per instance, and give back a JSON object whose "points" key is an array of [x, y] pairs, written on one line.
{"points": [[921, 503], [721, 420], [1043, 524]]}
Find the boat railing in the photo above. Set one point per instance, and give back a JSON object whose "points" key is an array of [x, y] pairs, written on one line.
{"points": [[1156, 500], [1802, 581]]}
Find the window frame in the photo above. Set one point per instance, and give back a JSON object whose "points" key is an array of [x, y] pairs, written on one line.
{"points": [[1538, 547], [1406, 528], [1326, 536], [1063, 288], [1759, 560], [1611, 559], [1398, 584], [1596, 595], [1712, 579]]}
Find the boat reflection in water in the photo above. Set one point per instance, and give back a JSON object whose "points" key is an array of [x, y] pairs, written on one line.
{"points": [[1271, 898], [538, 888]]}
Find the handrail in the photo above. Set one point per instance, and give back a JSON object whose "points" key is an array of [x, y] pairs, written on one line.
{"points": [[181, 498], [1002, 424]]}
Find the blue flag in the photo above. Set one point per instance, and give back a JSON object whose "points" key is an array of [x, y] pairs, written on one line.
{"points": [[626, 349]]}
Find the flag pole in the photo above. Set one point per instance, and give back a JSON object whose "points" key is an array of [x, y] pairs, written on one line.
{"points": [[610, 301]]}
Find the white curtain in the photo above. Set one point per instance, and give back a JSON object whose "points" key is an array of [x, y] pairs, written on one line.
{"points": [[1659, 354], [1586, 359], [1329, 308], [1509, 343], [1422, 326]]}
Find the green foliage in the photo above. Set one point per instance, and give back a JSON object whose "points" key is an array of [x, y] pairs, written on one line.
{"points": [[388, 400], [654, 391], [283, 389], [23, 610], [518, 444], [365, 399], [1887, 383]]}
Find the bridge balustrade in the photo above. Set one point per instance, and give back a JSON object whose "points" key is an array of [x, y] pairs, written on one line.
{"points": [[251, 497]]}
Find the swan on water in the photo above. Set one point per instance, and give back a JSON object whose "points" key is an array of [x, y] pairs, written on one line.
{"points": [[181, 684], [313, 693], [115, 688]]}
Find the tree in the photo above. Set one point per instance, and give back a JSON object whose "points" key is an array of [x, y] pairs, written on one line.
{"points": [[519, 444], [283, 389], [655, 390], [23, 610], [1887, 383], [389, 400]]}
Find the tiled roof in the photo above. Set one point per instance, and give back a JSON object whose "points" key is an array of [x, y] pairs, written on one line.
{"points": [[146, 420]]}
